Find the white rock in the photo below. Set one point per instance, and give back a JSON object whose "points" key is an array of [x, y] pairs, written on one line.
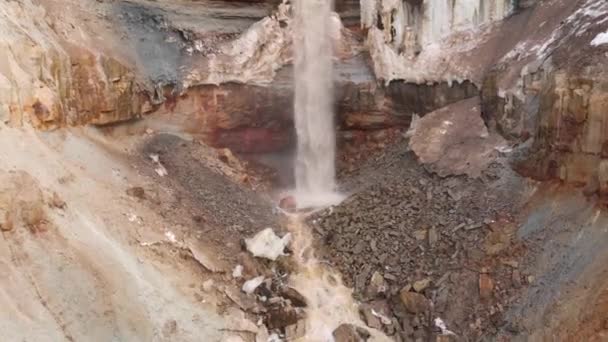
{"points": [[274, 338], [266, 244], [238, 271], [170, 236], [208, 285], [252, 284], [439, 323]]}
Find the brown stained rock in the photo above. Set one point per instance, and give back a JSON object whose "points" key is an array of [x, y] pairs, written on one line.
{"points": [[377, 285], [169, 328], [370, 319], [57, 202], [295, 331], [281, 317], [414, 303], [350, 333], [445, 338], [21, 203], [288, 204], [137, 192], [454, 140], [516, 279], [295, 297], [486, 286], [422, 284], [6, 221]]}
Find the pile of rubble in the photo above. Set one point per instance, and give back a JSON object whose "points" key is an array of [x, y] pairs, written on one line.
{"points": [[416, 246]]}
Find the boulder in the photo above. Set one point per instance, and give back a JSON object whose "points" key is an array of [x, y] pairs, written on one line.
{"points": [[414, 303], [350, 333]]}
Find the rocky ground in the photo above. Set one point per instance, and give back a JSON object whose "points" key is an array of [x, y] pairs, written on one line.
{"points": [[417, 246], [123, 232]]}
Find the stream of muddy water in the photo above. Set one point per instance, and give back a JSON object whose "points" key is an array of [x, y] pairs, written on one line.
{"points": [[330, 303]]}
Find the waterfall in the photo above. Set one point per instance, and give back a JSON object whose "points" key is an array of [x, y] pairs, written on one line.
{"points": [[314, 119]]}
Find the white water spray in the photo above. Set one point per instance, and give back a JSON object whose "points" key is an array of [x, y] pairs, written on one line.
{"points": [[315, 162]]}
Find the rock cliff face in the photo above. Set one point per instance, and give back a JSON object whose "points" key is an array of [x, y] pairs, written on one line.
{"points": [[553, 88], [540, 71], [108, 61], [51, 78]]}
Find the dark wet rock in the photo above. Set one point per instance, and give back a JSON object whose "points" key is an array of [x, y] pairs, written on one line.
{"points": [[281, 317], [296, 298], [350, 333], [137, 192]]}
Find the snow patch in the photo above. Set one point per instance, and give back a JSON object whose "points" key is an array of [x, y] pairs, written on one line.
{"points": [[600, 39]]}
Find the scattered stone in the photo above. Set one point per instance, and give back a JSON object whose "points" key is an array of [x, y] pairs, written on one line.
{"points": [[6, 221], [266, 244], [377, 285], [414, 302], [390, 277], [350, 333], [433, 237], [370, 319], [295, 331], [439, 323], [250, 285], [226, 156], [262, 335], [288, 204], [511, 263], [295, 297], [28, 205], [137, 192], [420, 235], [486, 286], [516, 279], [208, 285], [169, 328], [445, 338], [383, 319], [237, 320], [238, 271], [281, 317], [421, 285], [56, 201], [243, 301], [474, 226], [530, 279]]}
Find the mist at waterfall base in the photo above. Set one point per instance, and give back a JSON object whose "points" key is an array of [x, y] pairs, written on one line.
{"points": [[313, 105]]}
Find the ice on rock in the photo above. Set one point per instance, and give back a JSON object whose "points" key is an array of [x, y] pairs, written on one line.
{"points": [[266, 244]]}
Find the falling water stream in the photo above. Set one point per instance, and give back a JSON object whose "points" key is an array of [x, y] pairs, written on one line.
{"points": [[330, 303], [313, 105]]}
